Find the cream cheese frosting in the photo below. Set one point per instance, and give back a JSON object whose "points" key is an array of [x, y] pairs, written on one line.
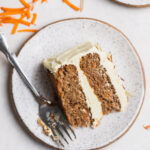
{"points": [[73, 56]]}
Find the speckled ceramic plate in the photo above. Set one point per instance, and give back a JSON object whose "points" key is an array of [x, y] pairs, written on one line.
{"points": [[58, 37], [134, 3]]}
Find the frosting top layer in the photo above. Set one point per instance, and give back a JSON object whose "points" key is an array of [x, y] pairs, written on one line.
{"points": [[67, 57]]}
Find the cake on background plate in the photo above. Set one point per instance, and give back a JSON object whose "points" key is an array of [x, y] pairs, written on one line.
{"points": [[87, 84]]}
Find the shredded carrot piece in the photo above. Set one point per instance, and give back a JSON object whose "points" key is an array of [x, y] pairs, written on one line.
{"points": [[71, 5], [16, 25], [32, 7], [14, 28], [25, 11], [42, 1], [34, 1], [24, 22], [34, 18], [27, 5], [11, 9], [14, 21], [28, 14], [7, 13], [147, 127], [28, 30]]}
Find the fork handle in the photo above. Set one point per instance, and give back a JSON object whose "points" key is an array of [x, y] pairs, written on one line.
{"points": [[13, 61]]}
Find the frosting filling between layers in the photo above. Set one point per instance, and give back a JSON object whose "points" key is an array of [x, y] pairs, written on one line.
{"points": [[92, 101], [73, 56]]}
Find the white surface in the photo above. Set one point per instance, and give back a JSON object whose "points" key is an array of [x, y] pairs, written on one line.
{"points": [[74, 33], [135, 2], [133, 22]]}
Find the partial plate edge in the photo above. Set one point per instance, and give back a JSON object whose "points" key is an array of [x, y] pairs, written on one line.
{"points": [[131, 5]]}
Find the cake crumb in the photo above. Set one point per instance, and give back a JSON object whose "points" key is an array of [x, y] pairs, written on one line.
{"points": [[98, 47], [128, 94], [46, 130], [109, 57]]}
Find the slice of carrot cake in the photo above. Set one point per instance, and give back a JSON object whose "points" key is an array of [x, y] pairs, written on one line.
{"points": [[86, 84]]}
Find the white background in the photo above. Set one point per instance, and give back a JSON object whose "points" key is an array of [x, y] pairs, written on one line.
{"points": [[134, 22]]}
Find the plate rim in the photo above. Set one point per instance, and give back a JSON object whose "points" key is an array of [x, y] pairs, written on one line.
{"points": [[21, 122], [132, 5]]}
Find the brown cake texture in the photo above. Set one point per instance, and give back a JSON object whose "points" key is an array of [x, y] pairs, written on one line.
{"points": [[71, 96], [100, 82]]}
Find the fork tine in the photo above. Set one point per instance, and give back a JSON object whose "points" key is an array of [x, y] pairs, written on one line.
{"points": [[61, 143], [68, 125], [59, 131], [55, 135], [64, 128], [71, 130], [54, 132]]}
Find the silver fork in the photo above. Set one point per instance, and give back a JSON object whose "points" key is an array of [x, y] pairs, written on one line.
{"points": [[58, 123]]}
